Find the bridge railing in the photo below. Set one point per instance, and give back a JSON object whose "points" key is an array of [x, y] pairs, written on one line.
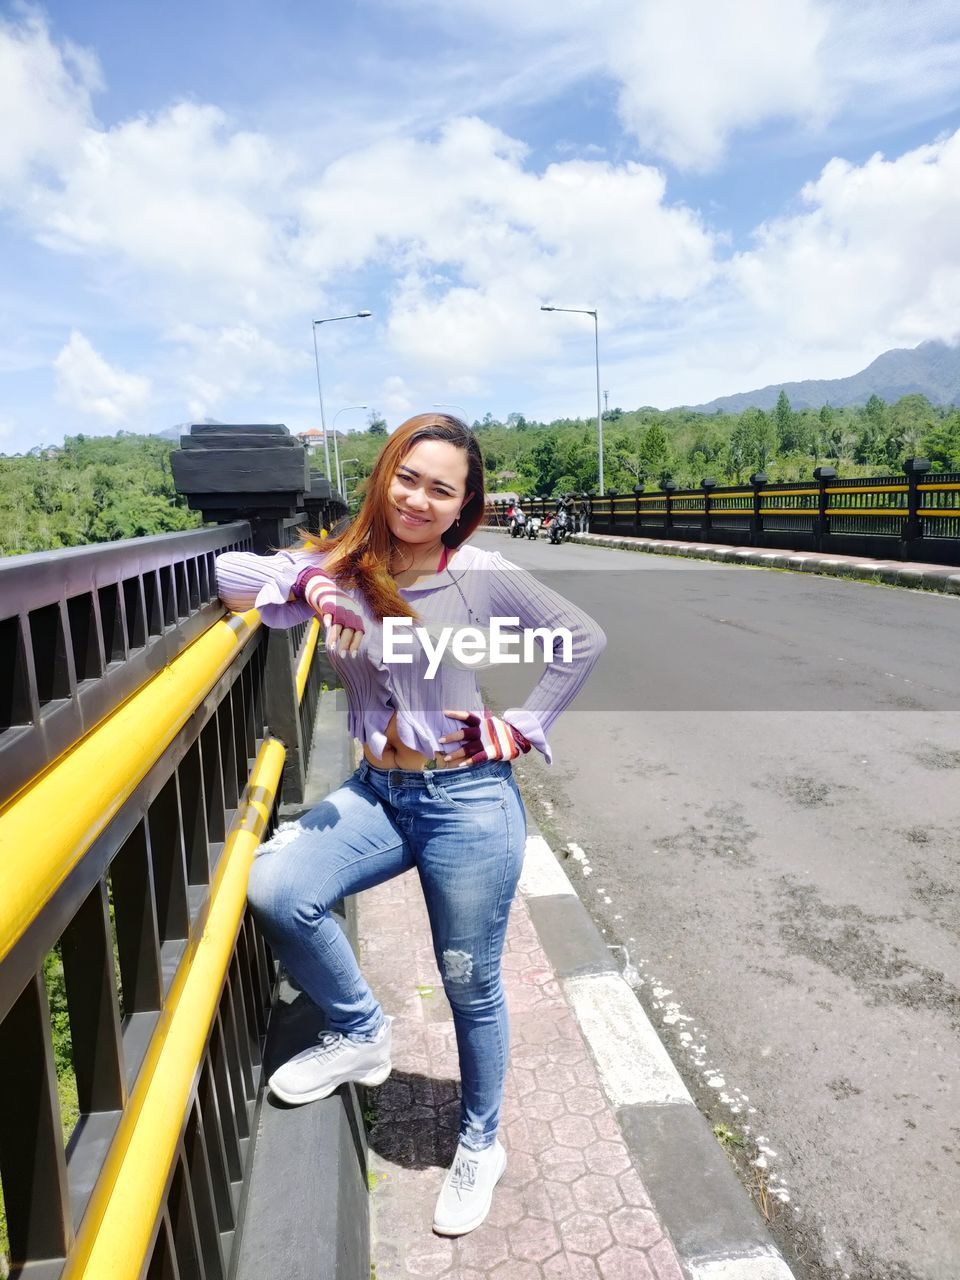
{"points": [[145, 751], [916, 518]]}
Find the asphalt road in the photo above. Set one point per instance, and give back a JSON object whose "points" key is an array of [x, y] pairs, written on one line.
{"points": [[758, 796]]}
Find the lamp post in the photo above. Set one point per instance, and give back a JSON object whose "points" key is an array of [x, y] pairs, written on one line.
{"points": [[354, 315], [459, 408], [336, 452], [343, 464], [591, 311]]}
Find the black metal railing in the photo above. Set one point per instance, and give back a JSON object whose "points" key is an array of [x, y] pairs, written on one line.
{"points": [[126, 907], [916, 517], [80, 629]]}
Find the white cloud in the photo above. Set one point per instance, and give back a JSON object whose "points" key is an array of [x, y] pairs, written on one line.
{"points": [[481, 240], [395, 397], [214, 365], [45, 100], [88, 383], [873, 261], [692, 72], [181, 196]]}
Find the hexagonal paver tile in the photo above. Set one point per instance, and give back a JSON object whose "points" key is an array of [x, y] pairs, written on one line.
{"points": [[524, 1080], [597, 1193], [573, 1131], [483, 1249], [634, 1192], [539, 1031], [556, 1077], [581, 1267], [620, 1263], [430, 1257], [531, 1136], [606, 1125], [607, 1157], [636, 1227], [664, 1258], [536, 1200], [585, 1233], [561, 1197], [562, 1164], [507, 1209], [543, 1105], [584, 1100], [533, 1239], [521, 1169], [513, 1270]]}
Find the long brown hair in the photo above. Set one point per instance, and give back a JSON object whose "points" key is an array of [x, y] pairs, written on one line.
{"points": [[360, 556]]}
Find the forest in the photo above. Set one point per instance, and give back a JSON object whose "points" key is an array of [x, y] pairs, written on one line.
{"points": [[100, 488]]}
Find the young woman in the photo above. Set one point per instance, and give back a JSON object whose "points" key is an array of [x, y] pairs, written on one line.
{"points": [[435, 789]]}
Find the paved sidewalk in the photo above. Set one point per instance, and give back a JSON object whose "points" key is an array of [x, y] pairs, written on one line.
{"points": [[895, 573], [572, 1205]]}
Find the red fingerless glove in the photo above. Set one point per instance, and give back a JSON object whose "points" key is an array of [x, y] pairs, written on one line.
{"points": [[324, 597], [490, 738]]}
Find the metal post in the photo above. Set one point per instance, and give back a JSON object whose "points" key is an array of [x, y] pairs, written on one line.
{"points": [[706, 484], [821, 531], [757, 480], [596, 348], [914, 469], [323, 424], [591, 311], [669, 488]]}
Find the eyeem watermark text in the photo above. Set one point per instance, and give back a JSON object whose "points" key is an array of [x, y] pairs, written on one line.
{"points": [[475, 646]]}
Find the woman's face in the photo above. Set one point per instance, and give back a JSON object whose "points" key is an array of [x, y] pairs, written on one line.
{"points": [[427, 491]]}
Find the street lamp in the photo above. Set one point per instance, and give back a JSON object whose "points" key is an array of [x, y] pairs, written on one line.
{"points": [[591, 311], [459, 408], [336, 451], [354, 315]]}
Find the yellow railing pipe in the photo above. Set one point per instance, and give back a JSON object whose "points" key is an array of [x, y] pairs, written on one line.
{"points": [[46, 828], [116, 1231], [306, 657]]}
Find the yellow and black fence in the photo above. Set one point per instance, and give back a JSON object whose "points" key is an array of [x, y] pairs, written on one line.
{"points": [[145, 750], [916, 518]]}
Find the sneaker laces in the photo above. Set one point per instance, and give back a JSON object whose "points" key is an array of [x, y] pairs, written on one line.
{"points": [[330, 1044], [463, 1176]]}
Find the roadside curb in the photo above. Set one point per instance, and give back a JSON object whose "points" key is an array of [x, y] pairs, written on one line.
{"points": [[717, 1232], [944, 578]]}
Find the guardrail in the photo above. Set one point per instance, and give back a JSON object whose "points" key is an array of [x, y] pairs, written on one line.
{"points": [[144, 754], [917, 518]]}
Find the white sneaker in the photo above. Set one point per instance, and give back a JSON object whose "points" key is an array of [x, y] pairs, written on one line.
{"points": [[467, 1190], [331, 1062]]}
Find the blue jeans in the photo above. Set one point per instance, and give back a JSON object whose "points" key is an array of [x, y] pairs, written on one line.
{"points": [[464, 831]]}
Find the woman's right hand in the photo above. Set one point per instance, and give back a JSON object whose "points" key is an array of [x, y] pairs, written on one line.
{"points": [[342, 623]]}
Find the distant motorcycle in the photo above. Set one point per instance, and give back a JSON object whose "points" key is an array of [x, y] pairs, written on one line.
{"points": [[517, 525], [559, 527], [533, 526]]}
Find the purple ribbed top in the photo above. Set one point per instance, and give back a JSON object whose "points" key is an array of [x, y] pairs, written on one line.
{"points": [[476, 586]]}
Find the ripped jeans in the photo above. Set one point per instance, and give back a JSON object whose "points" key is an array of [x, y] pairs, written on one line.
{"points": [[464, 830]]}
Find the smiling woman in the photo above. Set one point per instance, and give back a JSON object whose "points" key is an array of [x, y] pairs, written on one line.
{"points": [[435, 790]]}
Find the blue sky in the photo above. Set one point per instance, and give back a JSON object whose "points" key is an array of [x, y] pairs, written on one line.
{"points": [[747, 193]]}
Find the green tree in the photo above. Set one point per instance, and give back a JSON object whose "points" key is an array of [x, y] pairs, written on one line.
{"points": [[377, 424], [941, 444]]}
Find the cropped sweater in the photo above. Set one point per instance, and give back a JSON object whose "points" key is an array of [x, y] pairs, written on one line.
{"points": [[476, 586]]}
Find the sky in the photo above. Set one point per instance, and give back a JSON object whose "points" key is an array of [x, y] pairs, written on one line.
{"points": [[746, 192]]}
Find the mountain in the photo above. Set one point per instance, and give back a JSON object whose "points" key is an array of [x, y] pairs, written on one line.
{"points": [[932, 370]]}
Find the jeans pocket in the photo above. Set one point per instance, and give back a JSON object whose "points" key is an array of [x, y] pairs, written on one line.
{"points": [[474, 795]]}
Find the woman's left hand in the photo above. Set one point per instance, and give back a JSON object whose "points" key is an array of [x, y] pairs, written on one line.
{"points": [[484, 738]]}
